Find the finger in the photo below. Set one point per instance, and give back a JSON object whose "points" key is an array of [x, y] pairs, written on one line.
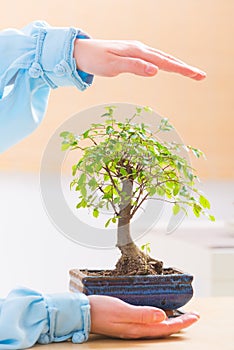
{"points": [[164, 54], [175, 59], [170, 326], [142, 314], [174, 325], [161, 60], [134, 65], [157, 330], [171, 64]]}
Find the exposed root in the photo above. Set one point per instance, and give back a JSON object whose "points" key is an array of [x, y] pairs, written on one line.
{"points": [[135, 262]]}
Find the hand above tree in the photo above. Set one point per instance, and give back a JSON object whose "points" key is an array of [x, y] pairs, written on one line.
{"points": [[111, 57], [115, 318]]}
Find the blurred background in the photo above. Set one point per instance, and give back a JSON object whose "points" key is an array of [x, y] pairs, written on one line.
{"points": [[32, 251]]}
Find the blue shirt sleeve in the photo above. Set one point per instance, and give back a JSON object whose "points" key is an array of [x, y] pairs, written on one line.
{"points": [[32, 61], [27, 317]]}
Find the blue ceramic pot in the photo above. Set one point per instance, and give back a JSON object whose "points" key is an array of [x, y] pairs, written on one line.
{"points": [[168, 292]]}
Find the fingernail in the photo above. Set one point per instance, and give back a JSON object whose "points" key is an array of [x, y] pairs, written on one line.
{"points": [[202, 74], [195, 313], [198, 71], [159, 315], [150, 69]]}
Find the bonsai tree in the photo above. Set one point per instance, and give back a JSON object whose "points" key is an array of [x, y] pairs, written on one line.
{"points": [[122, 165]]}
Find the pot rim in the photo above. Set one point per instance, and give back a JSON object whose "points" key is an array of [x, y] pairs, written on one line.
{"points": [[80, 273]]}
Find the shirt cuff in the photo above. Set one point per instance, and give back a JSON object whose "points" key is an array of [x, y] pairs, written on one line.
{"points": [[54, 61], [68, 317]]}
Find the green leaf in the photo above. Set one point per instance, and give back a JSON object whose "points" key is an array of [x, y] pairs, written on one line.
{"points": [[197, 152], [146, 248], [148, 109], [110, 109], [86, 134], [82, 180], [107, 195], [89, 169], [176, 209], [197, 210], [108, 222], [212, 218], [95, 212], [113, 220], [184, 191], [79, 163], [97, 125], [168, 193], [108, 189], [74, 169], [204, 202], [97, 166], [178, 165], [165, 125], [142, 247], [160, 191], [138, 110], [82, 204], [109, 130], [64, 134], [123, 172], [176, 189], [65, 146], [79, 205], [190, 176], [72, 183], [83, 190], [187, 173], [118, 147], [170, 184], [93, 183], [117, 200], [152, 191], [106, 177], [105, 115]]}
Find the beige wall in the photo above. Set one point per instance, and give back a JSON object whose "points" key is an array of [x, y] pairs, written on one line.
{"points": [[198, 31]]}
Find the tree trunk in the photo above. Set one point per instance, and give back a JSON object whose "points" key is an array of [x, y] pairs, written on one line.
{"points": [[132, 261], [123, 233]]}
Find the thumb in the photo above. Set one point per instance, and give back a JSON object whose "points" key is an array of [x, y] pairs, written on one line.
{"points": [[144, 314], [135, 66]]}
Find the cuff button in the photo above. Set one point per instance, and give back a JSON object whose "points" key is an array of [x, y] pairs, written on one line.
{"points": [[35, 71], [60, 70], [78, 337]]}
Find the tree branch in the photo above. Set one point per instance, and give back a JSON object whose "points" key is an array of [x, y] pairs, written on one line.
{"points": [[138, 206], [110, 201], [111, 178]]}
